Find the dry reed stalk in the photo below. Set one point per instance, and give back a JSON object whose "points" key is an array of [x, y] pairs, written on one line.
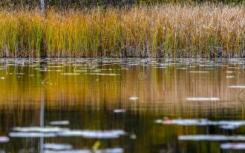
{"points": [[156, 31]]}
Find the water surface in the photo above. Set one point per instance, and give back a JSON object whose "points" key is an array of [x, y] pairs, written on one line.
{"points": [[122, 106]]}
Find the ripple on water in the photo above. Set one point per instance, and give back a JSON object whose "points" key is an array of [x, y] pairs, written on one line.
{"points": [[70, 74], [108, 150], [110, 134], [199, 72], [237, 86], [103, 74], [33, 132], [211, 138], [55, 146], [36, 132], [203, 122], [202, 99], [233, 146], [39, 129], [31, 135]]}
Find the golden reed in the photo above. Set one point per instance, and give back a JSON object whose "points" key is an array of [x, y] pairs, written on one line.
{"points": [[155, 31]]}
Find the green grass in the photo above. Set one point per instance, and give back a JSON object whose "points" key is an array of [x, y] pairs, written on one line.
{"points": [[155, 31]]}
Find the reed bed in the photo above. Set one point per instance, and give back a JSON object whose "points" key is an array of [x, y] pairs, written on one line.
{"points": [[156, 31]]}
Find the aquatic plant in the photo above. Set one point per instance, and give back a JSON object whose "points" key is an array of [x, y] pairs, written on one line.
{"points": [[155, 31]]}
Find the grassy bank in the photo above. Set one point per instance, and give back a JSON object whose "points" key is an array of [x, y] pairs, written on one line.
{"points": [[159, 31]]}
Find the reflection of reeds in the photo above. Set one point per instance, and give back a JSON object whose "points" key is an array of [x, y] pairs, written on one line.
{"points": [[170, 30], [161, 90]]}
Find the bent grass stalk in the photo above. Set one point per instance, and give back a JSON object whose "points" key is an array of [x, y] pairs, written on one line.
{"points": [[169, 30]]}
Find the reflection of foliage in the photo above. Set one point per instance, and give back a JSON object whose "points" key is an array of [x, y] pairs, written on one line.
{"points": [[89, 104]]}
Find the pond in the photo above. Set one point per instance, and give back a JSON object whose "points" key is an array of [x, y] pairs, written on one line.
{"points": [[122, 105]]}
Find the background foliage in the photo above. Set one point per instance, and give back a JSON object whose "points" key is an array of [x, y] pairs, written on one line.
{"points": [[93, 3]]}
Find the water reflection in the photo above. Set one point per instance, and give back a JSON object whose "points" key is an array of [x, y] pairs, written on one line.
{"points": [[112, 105]]}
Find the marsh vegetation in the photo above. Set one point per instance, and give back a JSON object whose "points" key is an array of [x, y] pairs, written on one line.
{"points": [[156, 31]]}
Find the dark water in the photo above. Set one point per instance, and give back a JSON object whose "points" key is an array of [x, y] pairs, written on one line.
{"points": [[122, 106]]}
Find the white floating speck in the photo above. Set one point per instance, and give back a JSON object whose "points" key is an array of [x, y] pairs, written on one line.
{"points": [[59, 123], [233, 146], [44, 70], [107, 150], [104, 74], [119, 110], [202, 99], [237, 87], [134, 98], [4, 139], [2, 78], [133, 136], [181, 68], [229, 72], [230, 77], [20, 73]]}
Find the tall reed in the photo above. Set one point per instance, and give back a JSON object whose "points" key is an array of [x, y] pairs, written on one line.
{"points": [[156, 31]]}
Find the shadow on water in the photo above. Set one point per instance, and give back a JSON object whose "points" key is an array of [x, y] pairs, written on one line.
{"points": [[114, 106]]}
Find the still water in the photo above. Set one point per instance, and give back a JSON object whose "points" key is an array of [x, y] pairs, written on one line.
{"points": [[122, 106]]}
